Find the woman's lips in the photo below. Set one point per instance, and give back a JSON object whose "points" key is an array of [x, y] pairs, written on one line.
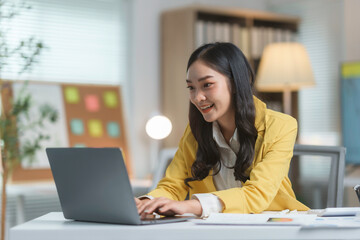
{"points": [[206, 109]]}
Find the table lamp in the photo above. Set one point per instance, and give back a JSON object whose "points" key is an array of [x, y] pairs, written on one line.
{"points": [[284, 67], [157, 128]]}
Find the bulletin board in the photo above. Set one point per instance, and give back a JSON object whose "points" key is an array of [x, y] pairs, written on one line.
{"points": [[94, 116], [89, 116]]}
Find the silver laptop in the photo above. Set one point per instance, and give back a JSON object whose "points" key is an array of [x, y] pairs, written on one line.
{"points": [[93, 185]]}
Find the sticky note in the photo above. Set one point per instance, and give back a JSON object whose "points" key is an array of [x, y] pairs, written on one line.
{"points": [[95, 128], [92, 103], [280, 220], [77, 126], [72, 95], [351, 69], [113, 129], [110, 99], [79, 145]]}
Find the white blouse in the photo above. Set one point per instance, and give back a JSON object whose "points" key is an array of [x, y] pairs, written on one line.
{"points": [[225, 179]]}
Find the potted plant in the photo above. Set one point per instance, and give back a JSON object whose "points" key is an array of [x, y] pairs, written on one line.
{"points": [[15, 109]]}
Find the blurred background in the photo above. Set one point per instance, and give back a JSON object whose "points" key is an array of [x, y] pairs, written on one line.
{"points": [[142, 47]]}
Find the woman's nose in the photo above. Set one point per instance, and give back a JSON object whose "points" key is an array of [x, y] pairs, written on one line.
{"points": [[199, 96]]}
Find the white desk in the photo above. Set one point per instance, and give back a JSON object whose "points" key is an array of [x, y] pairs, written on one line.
{"points": [[54, 226]]}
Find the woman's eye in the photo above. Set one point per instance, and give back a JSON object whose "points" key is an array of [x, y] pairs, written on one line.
{"points": [[190, 87], [207, 85]]}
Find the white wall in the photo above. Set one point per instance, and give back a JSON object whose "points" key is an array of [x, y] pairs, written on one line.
{"points": [[145, 69], [351, 30]]}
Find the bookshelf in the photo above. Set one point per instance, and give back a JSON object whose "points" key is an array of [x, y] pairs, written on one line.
{"points": [[185, 29]]}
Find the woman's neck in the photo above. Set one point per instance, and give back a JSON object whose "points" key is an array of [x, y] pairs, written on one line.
{"points": [[227, 124], [227, 130]]}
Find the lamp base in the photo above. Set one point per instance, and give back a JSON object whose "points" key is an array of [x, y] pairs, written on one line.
{"points": [[287, 101]]}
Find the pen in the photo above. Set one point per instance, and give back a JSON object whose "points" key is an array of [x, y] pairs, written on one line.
{"points": [[357, 190], [285, 211]]}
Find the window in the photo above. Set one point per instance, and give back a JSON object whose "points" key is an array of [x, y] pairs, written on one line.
{"points": [[86, 41]]}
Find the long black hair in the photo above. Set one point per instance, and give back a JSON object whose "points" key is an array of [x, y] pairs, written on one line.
{"points": [[228, 60]]}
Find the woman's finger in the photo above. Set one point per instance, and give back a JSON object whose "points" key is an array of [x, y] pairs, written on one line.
{"points": [[141, 204], [166, 211], [143, 208], [137, 201], [156, 204], [170, 209]]}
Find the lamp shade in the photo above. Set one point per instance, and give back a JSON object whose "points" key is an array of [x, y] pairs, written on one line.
{"points": [[284, 66]]}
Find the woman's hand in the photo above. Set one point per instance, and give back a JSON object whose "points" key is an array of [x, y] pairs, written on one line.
{"points": [[140, 202], [167, 207]]}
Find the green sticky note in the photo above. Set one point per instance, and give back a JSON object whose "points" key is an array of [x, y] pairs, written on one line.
{"points": [[95, 128], [72, 95], [113, 129], [351, 69], [110, 99], [77, 127]]}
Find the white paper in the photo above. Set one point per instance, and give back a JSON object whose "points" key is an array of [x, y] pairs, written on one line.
{"points": [[334, 222], [257, 219], [342, 211]]}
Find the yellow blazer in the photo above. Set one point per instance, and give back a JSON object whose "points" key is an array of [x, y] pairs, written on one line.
{"points": [[268, 189]]}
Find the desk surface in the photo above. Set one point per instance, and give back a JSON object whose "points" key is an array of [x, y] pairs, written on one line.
{"points": [[54, 226]]}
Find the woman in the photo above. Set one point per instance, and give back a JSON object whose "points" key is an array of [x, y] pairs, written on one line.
{"points": [[235, 153]]}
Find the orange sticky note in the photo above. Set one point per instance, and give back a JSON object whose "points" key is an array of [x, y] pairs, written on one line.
{"points": [[110, 99], [95, 128], [72, 95], [92, 103]]}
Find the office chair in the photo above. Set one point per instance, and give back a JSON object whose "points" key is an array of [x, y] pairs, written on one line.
{"points": [[305, 184], [334, 182], [165, 157]]}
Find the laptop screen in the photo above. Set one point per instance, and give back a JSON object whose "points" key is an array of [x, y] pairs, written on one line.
{"points": [[93, 184]]}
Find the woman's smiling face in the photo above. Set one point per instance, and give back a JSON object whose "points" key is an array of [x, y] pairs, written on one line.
{"points": [[210, 92]]}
